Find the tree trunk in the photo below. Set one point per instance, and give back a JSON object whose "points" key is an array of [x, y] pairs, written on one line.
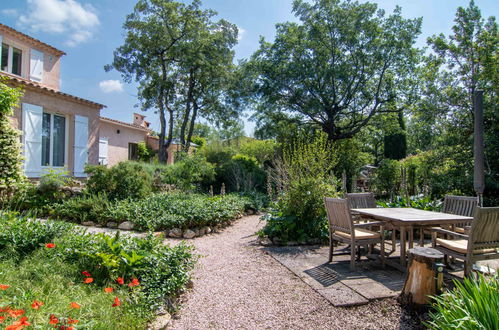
{"points": [[191, 126], [162, 155], [190, 92], [421, 274]]}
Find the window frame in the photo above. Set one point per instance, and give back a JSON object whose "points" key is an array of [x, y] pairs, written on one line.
{"points": [[10, 57], [51, 146]]}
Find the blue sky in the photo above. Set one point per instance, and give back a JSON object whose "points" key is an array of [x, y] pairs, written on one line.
{"points": [[89, 30]]}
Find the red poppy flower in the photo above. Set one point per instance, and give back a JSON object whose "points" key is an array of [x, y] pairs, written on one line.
{"points": [[72, 321], [50, 245], [108, 290], [53, 319], [23, 322], [4, 286], [120, 280], [87, 274], [2, 318], [88, 280], [15, 312], [74, 305], [36, 304], [135, 282], [117, 302]]}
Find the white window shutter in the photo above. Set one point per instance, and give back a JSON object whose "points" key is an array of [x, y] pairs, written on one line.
{"points": [[103, 146], [36, 65], [32, 136], [80, 146]]}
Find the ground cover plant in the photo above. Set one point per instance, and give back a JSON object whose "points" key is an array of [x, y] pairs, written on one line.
{"points": [[54, 274], [158, 211]]}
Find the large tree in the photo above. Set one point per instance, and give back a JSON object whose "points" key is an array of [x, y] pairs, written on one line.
{"points": [[341, 65], [181, 59], [442, 121]]}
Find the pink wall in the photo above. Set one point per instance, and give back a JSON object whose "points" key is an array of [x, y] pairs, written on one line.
{"points": [[118, 143], [59, 105], [51, 60]]}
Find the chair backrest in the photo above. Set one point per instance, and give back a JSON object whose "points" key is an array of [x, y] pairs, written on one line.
{"points": [[460, 205], [361, 200], [338, 214], [484, 229]]}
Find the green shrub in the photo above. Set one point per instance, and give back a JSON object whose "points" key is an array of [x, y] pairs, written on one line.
{"points": [[417, 202], [191, 171], [11, 171], [262, 150], [21, 235], [164, 211], [157, 211], [387, 179], [89, 207], [243, 173], [303, 177], [124, 180], [473, 304]]}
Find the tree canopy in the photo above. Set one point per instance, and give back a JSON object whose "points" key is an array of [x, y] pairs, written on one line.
{"points": [[342, 64], [182, 60]]}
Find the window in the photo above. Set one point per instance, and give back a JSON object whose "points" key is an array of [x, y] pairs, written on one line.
{"points": [[12, 59], [133, 151], [53, 140]]}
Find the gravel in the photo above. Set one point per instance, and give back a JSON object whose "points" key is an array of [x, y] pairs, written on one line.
{"points": [[238, 286]]}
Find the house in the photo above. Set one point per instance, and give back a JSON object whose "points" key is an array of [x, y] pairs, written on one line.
{"points": [[60, 131], [119, 140]]}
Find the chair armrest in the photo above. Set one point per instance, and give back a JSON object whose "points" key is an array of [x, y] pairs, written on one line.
{"points": [[368, 224], [447, 232]]}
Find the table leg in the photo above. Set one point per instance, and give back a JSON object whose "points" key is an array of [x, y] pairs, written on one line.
{"points": [[411, 237], [421, 236], [402, 245]]}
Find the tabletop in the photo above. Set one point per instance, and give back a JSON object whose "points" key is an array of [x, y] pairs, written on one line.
{"points": [[412, 216]]}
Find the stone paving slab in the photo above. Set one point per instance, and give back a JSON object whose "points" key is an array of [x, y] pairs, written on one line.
{"points": [[334, 281]]}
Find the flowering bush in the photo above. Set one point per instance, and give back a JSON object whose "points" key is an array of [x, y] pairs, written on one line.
{"points": [[68, 278]]}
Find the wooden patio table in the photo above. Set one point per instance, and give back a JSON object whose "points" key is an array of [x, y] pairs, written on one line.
{"points": [[405, 219]]}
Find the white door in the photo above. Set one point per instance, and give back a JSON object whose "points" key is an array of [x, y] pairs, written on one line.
{"points": [[103, 146], [80, 146], [32, 137]]}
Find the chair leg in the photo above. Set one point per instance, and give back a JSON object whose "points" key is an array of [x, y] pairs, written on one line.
{"points": [[331, 248], [352, 256]]}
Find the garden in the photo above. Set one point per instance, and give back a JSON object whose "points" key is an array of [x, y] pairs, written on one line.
{"points": [[370, 113]]}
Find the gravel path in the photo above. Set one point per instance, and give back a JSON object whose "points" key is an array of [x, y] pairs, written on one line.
{"points": [[238, 286]]}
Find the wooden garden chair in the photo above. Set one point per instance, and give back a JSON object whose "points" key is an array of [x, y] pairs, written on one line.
{"points": [[482, 243], [366, 201], [343, 229], [460, 205]]}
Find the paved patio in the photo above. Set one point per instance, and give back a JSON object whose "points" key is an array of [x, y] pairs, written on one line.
{"points": [[342, 287], [334, 281]]}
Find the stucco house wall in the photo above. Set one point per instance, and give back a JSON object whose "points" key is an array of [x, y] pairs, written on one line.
{"points": [[119, 135], [40, 83], [68, 109]]}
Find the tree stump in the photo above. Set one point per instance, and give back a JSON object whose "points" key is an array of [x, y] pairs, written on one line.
{"points": [[421, 276]]}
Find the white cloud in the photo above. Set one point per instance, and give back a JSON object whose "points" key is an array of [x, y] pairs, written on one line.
{"points": [[69, 17], [240, 34], [10, 12], [109, 86]]}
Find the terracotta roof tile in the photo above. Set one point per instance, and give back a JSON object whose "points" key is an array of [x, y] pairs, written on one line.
{"points": [[125, 124], [30, 83], [27, 37]]}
